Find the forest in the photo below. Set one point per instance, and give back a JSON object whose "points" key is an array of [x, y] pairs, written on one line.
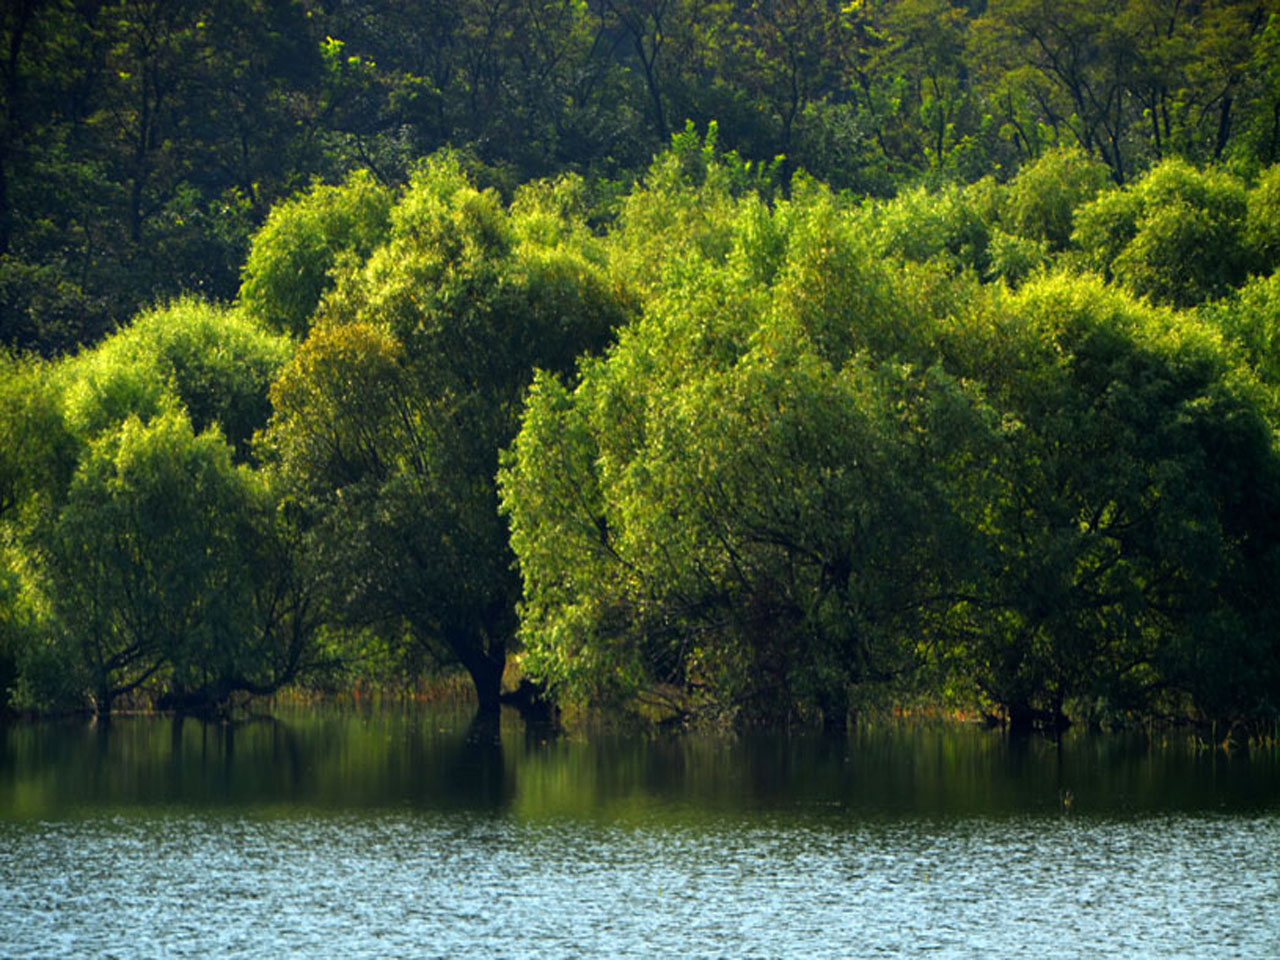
{"points": [[739, 364]]}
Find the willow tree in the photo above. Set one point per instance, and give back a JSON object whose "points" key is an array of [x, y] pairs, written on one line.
{"points": [[804, 468], [389, 419], [169, 572], [127, 489], [1123, 516], [743, 508]]}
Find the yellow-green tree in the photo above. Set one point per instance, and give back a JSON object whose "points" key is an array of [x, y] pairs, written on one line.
{"points": [[389, 419]]}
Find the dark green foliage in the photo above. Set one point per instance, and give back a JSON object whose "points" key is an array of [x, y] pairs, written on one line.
{"points": [[781, 442], [143, 143]]}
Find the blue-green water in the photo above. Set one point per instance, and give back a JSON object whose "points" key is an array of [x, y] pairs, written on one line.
{"points": [[402, 834]]}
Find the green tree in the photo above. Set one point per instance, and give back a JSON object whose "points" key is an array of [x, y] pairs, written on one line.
{"points": [[145, 557], [783, 56], [1071, 60], [389, 419], [1042, 199], [737, 510], [1262, 222], [166, 571], [142, 141], [925, 46], [294, 255], [214, 362], [37, 456], [1123, 510], [666, 40]]}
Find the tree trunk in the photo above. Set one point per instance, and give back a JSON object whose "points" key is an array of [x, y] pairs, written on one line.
{"points": [[485, 670], [835, 712], [531, 700], [102, 701], [1224, 128], [1022, 719]]}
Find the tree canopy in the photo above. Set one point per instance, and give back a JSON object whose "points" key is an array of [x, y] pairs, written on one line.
{"points": [[389, 420], [793, 353], [144, 144]]}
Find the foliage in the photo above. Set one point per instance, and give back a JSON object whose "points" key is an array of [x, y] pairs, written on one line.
{"points": [[213, 362], [389, 419], [722, 505], [37, 452], [1113, 535], [1262, 226], [689, 196], [145, 564], [785, 482], [145, 142], [141, 140], [1046, 193], [1248, 318], [781, 444], [953, 223], [1176, 236], [37, 457], [295, 253]]}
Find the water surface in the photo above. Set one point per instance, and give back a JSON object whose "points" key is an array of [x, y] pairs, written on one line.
{"points": [[407, 834]]}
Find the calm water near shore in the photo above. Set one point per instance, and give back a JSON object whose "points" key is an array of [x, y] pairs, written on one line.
{"points": [[406, 833]]}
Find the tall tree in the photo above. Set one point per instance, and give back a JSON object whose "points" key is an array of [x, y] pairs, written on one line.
{"points": [[1074, 61], [389, 420]]}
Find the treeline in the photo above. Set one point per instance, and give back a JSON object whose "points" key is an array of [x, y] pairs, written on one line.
{"points": [[744, 451], [143, 142]]}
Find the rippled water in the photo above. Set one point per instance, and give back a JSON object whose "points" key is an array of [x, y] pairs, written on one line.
{"points": [[400, 836]]}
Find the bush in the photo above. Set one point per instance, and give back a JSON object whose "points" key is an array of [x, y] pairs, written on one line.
{"points": [[1176, 236], [291, 262], [1042, 199]]}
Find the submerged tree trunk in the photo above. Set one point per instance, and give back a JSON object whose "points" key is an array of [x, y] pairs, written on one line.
{"points": [[1022, 720], [102, 699], [485, 667], [1025, 719], [533, 703], [834, 705]]}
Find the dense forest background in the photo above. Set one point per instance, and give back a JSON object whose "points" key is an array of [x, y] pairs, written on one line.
{"points": [[142, 143], [902, 345]]}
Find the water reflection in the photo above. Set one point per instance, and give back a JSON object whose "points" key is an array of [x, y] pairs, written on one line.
{"points": [[418, 833], [443, 759]]}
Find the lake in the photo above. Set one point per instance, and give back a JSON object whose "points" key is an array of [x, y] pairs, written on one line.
{"points": [[405, 833]]}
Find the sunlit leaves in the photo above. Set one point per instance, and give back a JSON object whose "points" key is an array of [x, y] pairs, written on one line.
{"points": [[389, 420], [1176, 236], [146, 557], [213, 362]]}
